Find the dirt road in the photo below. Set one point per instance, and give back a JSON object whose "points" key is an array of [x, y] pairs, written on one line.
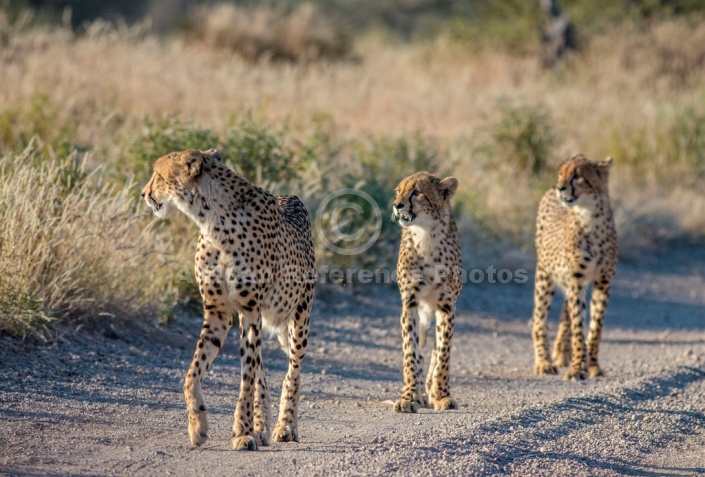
{"points": [[109, 401]]}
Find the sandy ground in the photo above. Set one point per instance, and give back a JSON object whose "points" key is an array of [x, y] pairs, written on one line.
{"points": [[108, 401]]}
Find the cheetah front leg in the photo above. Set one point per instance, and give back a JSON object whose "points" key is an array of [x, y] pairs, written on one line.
{"points": [[598, 305], [440, 387], [216, 323], [430, 374], [263, 407], [561, 348], [576, 311], [288, 425], [543, 295], [412, 392], [244, 437]]}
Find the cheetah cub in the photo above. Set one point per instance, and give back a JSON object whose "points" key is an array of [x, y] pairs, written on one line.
{"points": [[429, 278], [576, 245]]}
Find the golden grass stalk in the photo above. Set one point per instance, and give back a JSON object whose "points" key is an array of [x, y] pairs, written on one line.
{"points": [[71, 249]]}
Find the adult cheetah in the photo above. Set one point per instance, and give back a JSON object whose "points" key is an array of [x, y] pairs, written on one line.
{"points": [[576, 245], [430, 278], [254, 257]]}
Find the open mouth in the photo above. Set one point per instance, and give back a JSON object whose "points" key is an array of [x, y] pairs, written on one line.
{"points": [[405, 218]]}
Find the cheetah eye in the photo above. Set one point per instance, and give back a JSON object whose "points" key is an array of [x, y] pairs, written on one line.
{"points": [[415, 193]]}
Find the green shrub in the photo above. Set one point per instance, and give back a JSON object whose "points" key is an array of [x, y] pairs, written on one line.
{"points": [[162, 137], [40, 123], [522, 138], [256, 151]]}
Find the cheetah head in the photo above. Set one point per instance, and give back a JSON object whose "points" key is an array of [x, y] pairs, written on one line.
{"points": [[175, 179], [580, 180], [423, 199]]}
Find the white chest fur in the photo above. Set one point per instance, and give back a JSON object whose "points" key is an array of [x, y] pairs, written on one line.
{"points": [[585, 215], [425, 239]]}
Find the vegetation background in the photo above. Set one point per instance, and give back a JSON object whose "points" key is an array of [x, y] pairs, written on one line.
{"points": [[311, 97]]}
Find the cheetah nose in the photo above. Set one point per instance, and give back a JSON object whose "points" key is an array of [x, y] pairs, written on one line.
{"points": [[398, 205], [561, 188], [142, 195]]}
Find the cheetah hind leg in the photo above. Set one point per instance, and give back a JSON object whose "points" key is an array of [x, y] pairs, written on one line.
{"points": [[296, 339], [561, 348]]}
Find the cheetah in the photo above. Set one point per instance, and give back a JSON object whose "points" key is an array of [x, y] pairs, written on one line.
{"points": [[576, 245], [430, 278], [255, 257]]}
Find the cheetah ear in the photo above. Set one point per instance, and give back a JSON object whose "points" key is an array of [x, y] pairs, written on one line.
{"points": [[193, 160], [603, 167], [214, 153], [448, 187]]}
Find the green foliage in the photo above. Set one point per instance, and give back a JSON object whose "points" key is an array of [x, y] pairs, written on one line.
{"points": [[253, 149], [524, 138], [162, 137], [40, 122], [256, 151]]}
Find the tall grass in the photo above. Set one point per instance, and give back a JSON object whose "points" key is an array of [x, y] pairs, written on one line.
{"points": [[73, 246], [272, 33], [493, 118]]}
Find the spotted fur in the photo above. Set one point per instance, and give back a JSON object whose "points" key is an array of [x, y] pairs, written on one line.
{"points": [[576, 245], [429, 278], [254, 257]]}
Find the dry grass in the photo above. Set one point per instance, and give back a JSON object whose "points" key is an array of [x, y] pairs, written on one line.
{"points": [[73, 246], [637, 94], [272, 33]]}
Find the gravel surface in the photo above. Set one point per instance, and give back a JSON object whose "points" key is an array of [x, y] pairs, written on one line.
{"points": [[108, 401]]}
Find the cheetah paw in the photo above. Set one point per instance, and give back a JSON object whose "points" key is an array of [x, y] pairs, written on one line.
{"points": [[405, 406], [545, 367], [262, 438], [198, 428], [245, 443], [285, 433], [444, 404], [595, 371], [578, 374], [561, 358]]}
